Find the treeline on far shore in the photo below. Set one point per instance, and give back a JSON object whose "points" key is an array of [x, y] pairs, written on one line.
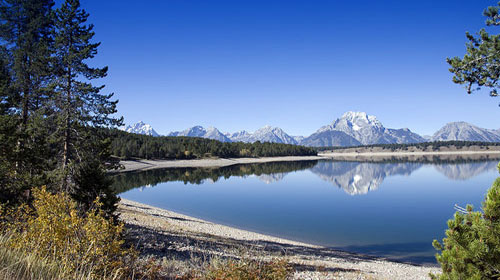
{"points": [[128, 145], [436, 145]]}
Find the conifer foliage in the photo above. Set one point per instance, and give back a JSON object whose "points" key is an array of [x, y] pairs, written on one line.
{"points": [[78, 104], [480, 66], [52, 114], [25, 37], [471, 249]]}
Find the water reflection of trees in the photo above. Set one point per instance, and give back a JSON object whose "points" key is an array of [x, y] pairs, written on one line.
{"points": [[130, 180], [354, 177]]}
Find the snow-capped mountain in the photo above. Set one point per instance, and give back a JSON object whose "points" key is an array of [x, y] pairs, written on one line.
{"points": [[239, 136], [264, 134], [364, 128], [329, 138], [199, 131], [298, 138], [272, 134], [463, 131], [352, 129], [141, 128]]}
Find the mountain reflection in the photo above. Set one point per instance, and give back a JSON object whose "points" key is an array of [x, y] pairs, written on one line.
{"points": [[360, 177], [464, 171], [354, 177], [272, 178]]}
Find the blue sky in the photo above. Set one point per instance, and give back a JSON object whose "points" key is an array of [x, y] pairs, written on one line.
{"points": [[294, 64]]}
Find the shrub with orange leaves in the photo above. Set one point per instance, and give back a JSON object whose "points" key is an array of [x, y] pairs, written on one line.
{"points": [[53, 229]]}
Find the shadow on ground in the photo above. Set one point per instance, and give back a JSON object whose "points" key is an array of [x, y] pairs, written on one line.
{"points": [[196, 247]]}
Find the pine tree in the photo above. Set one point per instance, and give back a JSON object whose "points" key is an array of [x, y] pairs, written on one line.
{"points": [[25, 31], [471, 249], [480, 66], [25, 36], [79, 105]]}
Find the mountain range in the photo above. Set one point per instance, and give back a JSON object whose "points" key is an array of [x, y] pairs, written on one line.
{"points": [[351, 129]]}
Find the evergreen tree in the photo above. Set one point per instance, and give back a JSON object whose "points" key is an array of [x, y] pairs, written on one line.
{"points": [[25, 31], [25, 37], [480, 66], [79, 105], [471, 249]]}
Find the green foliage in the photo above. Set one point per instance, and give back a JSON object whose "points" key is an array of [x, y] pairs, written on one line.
{"points": [[50, 112], [129, 145], [78, 105], [471, 249], [25, 28], [92, 182], [480, 66]]}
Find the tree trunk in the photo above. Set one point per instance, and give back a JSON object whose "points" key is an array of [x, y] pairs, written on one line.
{"points": [[67, 133]]}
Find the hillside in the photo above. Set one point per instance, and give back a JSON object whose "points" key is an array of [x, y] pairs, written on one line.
{"points": [[129, 145]]}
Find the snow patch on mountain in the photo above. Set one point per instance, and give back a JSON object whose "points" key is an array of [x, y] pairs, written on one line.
{"points": [[199, 131], [462, 131], [273, 135], [365, 129], [141, 128]]}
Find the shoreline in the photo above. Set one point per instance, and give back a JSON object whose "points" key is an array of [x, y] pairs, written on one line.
{"points": [[158, 230], [143, 164], [404, 154]]}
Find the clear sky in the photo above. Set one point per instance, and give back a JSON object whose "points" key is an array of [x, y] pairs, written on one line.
{"points": [[297, 65]]}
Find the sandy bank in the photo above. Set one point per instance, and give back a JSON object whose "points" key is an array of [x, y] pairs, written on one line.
{"points": [[133, 165], [165, 233]]}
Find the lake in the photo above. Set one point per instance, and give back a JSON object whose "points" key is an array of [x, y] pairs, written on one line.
{"points": [[393, 209]]}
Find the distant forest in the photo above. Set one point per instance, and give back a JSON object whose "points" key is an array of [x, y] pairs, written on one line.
{"points": [[425, 145], [128, 145]]}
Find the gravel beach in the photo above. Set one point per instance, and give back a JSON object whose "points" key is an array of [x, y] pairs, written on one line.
{"points": [[166, 234]]}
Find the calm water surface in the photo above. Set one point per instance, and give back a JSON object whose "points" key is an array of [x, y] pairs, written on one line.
{"points": [[393, 210]]}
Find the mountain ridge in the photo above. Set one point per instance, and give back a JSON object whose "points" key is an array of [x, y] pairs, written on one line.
{"points": [[351, 129], [465, 131]]}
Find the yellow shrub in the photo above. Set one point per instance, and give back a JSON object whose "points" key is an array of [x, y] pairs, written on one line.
{"points": [[55, 230], [248, 269], [245, 152]]}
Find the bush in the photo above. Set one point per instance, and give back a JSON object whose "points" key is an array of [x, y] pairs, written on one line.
{"points": [[52, 229], [278, 269], [471, 249]]}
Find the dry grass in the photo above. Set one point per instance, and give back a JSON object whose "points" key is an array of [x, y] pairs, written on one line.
{"points": [[18, 264]]}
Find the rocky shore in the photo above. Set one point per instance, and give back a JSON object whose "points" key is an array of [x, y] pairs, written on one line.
{"points": [[184, 241]]}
